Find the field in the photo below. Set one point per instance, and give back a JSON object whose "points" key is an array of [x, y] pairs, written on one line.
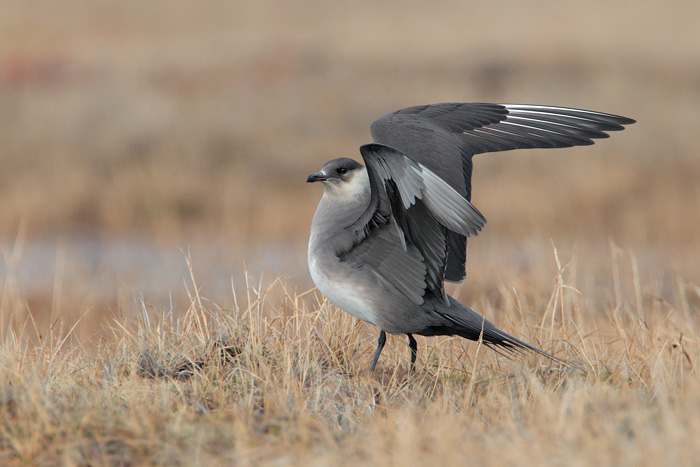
{"points": [[155, 304]]}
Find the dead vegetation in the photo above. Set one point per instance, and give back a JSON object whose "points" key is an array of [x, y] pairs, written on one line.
{"points": [[282, 377]]}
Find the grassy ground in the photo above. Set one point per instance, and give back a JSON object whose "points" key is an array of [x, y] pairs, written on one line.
{"points": [[134, 132], [282, 378]]}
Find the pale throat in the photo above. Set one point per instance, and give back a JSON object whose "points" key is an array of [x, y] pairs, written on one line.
{"points": [[351, 191]]}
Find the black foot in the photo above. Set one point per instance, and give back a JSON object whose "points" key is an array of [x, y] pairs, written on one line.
{"points": [[380, 345], [414, 351]]}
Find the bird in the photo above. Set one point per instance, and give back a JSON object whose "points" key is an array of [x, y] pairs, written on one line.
{"points": [[388, 234]]}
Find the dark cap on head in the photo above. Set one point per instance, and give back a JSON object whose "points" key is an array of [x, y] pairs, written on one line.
{"points": [[335, 169]]}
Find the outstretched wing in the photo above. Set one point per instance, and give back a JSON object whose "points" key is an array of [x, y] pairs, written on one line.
{"points": [[444, 137], [402, 235]]}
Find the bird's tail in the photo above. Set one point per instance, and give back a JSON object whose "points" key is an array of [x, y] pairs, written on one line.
{"points": [[471, 325]]}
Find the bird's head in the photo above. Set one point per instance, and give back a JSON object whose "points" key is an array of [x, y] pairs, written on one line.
{"points": [[343, 176]]}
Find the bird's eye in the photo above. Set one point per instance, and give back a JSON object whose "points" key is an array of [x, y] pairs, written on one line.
{"points": [[342, 171]]}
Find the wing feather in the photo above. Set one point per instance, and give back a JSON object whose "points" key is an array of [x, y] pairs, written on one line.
{"points": [[385, 256], [444, 137], [403, 233]]}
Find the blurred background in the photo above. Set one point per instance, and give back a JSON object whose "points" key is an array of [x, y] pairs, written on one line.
{"points": [[132, 133]]}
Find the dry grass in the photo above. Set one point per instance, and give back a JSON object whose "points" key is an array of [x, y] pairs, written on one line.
{"points": [[278, 377], [133, 130]]}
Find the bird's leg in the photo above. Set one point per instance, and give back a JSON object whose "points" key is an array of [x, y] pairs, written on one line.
{"points": [[380, 345], [414, 350]]}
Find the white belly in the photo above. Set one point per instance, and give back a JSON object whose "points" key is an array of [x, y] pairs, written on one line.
{"points": [[342, 290]]}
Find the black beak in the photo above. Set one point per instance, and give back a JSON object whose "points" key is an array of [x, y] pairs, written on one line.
{"points": [[317, 177]]}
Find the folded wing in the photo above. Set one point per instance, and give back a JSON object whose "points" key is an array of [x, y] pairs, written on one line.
{"points": [[405, 227]]}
